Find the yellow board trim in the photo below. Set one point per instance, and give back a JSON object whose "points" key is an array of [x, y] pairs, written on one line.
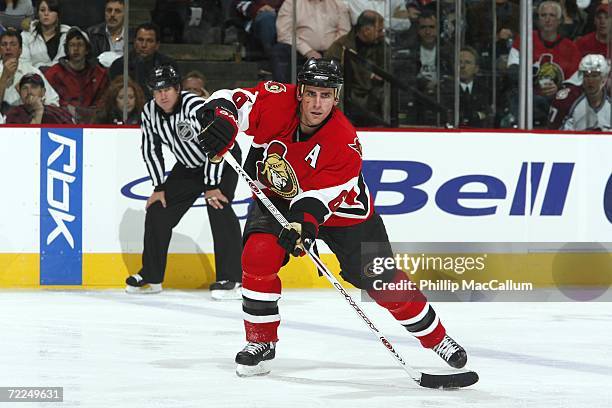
{"points": [[196, 271], [191, 271], [19, 270]]}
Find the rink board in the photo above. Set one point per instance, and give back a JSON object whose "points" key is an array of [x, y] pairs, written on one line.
{"points": [[74, 210]]}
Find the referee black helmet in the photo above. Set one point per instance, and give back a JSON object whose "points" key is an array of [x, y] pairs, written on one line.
{"points": [[163, 76]]}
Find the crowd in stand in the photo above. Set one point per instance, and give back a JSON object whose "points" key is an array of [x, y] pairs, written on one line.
{"points": [[408, 44]]}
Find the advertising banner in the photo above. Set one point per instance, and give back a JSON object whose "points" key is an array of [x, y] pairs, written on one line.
{"points": [[77, 198], [61, 215]]}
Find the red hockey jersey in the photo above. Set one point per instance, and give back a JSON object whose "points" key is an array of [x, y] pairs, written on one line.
{"points": [[560, 57], [589, 44], [319, 174]]}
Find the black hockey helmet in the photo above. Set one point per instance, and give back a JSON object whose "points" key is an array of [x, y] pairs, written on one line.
{"points": [[163, 76], [324, 73]]}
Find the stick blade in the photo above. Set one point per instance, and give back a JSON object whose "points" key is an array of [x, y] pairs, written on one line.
{"points": [[448, 381]]}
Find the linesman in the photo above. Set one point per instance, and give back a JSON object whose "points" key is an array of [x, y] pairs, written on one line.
{"points": [[172, 118]]}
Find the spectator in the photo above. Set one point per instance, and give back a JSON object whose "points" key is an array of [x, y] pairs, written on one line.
{"points": [[16, 13], [107, 37], [79, 82], [555, 58], [548, 42], [586, 106], [111, 107], [574, 20], [363, 91], [43, 44], [399, 16], [418, 67], [408, 38], [12, 69], [480, 26], [144, 58], [260, 17], [319, 23], [591, 10], [195, 82], [597, 41], [474, 110], [33, 108]]}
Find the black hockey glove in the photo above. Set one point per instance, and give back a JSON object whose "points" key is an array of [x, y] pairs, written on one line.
{"points": [[219, 130], [300, 237]]}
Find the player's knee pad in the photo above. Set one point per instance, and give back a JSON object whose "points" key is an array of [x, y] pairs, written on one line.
{"points": [[262, 256]]}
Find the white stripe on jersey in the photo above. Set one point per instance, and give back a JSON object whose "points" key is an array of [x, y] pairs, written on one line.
{"points": [[268, 297], [245, 108], [416, 318], [260, 319], [326, 195], [429, 329]]}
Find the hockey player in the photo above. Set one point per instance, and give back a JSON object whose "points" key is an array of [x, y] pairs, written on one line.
{"points": [[306, 157], [586, 106]]}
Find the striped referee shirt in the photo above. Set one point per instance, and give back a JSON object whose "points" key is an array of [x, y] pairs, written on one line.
{"points": [[174, 130]]}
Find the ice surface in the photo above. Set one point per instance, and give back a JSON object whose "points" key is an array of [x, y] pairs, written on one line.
{"points": [[176, 349]]}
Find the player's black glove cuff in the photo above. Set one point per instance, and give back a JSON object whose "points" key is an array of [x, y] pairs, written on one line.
{"points": [[219, 130]]}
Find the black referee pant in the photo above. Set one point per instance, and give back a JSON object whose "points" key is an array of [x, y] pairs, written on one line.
{"points": [[182, 187]]}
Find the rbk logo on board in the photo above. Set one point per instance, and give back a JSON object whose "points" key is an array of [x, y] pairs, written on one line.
{"points": [[61, 205]]}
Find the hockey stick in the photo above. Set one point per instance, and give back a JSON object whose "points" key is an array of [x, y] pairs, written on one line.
{"points": [[444, 381]]}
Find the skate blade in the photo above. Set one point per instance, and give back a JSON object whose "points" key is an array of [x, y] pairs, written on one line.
{"points": [[143, 290], [251, 371], [233, 294]]}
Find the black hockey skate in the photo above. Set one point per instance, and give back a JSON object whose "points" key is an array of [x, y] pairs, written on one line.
{"points": [[252, 360], [137, 284], [226, 290], [451, 352]]}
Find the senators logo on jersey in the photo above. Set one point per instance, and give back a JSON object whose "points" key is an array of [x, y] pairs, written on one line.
{"points": [[275, 172], [275, 87]]}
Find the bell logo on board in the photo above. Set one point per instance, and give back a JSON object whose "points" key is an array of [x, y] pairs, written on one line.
{"points": [[538, 189]]}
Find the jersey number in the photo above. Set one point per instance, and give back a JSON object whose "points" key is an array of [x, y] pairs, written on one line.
{"points": [[240, 99], [335, 203], [553, 114]]}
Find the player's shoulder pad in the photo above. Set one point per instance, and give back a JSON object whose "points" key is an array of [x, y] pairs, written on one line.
{"points": [[340, 132], [342, 126], [273, 87], [570, 91], [562, 93]]}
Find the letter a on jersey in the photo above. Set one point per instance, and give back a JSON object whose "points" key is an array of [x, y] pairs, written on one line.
{"points": [[312, 157], [275, 172]]}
